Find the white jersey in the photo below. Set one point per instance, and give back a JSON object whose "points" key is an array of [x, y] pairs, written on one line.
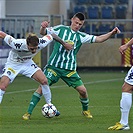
{"points": [[20, 52]]}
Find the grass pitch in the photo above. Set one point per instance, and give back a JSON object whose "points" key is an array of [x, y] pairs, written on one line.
{"points": [[104, 91]]}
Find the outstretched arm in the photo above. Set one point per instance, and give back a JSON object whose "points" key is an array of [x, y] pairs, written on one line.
{"points": [[106, 36], [2, 34], [9, 40], [124, 47]]}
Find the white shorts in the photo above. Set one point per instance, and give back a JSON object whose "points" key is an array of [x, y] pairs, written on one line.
{"points": [[129, 76], [11, 70]]}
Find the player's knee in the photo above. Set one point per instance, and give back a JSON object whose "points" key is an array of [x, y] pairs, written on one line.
{"points": [[44, 81], [3, 87], [83, 93], [127, 88], [4, 83]]}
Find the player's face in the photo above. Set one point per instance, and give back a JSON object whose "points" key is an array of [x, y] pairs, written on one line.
{"points": [[76, 23], [32, 49]]}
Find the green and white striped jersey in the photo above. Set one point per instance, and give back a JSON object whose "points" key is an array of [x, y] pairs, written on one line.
{"points": [[62, 58]]}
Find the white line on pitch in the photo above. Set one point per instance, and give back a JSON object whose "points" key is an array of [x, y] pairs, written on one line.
{"points": [[60, 86]]}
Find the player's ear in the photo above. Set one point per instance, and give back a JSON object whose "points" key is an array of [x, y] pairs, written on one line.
{"points": [[71, 19]]}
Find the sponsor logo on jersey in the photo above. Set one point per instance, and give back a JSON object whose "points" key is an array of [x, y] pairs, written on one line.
{"points": [[10, 69], [17, 45], [49, 37], [23, 59], [43, 41]]}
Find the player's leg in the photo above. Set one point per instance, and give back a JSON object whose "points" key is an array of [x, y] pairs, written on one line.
{"points": [[41, 78], [43, 89], [10, 72], [125, 103], [31, 70], [38, 93], [3, 85], [125, 106], [44, 85], [84, 100], [33, 102], [73, 79]]}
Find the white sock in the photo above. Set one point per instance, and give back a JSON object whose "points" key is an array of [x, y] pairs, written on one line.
{"points": [[46, 93], [1, 95], [125, 105]]}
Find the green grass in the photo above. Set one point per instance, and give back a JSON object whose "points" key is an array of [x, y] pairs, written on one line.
{"points": [[104, 90]]}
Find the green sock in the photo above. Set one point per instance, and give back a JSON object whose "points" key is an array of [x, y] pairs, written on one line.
{"points": [[34, 100], [85, 103]]}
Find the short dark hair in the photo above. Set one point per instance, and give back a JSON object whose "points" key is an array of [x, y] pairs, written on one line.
{"points": [[80, 15], [32, 39]]}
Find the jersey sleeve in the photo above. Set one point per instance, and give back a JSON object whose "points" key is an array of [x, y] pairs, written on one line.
{"points": [[16, 44], [50, 30], [55, 30], [88, 38], [44, 41]]}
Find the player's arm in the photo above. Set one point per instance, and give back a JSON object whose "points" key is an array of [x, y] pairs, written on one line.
{"points": [[65, 44], [106, 36], [125, 46], [12, 42], [43, 31], [2, 34], [8, 39]]}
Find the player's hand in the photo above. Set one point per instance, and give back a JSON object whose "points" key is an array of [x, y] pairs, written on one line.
{"points": [[68, 46], [45, 24], [116, 30], [122, 48]]}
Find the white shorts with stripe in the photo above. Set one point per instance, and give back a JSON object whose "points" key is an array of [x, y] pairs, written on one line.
{"points": [[129, 76], [11, 70]]}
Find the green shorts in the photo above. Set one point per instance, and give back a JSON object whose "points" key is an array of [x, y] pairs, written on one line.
{"points": [[70, 77]]}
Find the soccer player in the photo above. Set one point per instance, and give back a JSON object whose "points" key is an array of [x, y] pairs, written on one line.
{"points": [[126, 98], [62, 64], [20, 61]]}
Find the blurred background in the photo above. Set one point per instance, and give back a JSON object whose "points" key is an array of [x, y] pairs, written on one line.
{"points": [[20, 17]]}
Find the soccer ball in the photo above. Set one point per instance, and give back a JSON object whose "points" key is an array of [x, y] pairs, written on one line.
{"points": [[49, 110]]}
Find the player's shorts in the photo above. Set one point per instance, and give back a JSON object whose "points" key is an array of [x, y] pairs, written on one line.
{"points": [[11, 70], [129, 76], [70, 77]]}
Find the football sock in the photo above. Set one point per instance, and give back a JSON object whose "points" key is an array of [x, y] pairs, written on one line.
{"points": [[85, 103], [125, 105], [46, 93], [1, 95], [34, 100]]}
